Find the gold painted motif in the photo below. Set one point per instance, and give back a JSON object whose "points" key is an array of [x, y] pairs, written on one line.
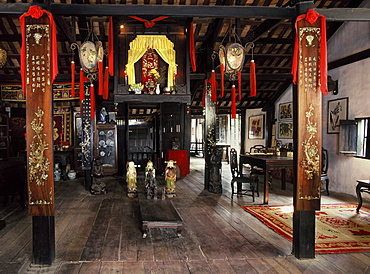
{"points": [[311, 164], [39, 165], [40, 202]]}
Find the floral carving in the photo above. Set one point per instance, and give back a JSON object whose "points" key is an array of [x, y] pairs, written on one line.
{"points": [[311, 163], [39, 165]]}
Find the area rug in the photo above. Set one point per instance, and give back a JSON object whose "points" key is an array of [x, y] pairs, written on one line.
{"points": [[339, 229]]}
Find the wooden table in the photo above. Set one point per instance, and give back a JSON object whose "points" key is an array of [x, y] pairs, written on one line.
{"points": [[362, 186], [158, 214], [267, 162]]}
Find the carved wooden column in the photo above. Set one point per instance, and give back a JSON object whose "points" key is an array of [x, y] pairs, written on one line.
{"points": [[308, 133], [210, 143], [87, 136], [37, 75]]}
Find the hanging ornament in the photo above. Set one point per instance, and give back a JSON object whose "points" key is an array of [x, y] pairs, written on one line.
{"points": [[252, 73]]}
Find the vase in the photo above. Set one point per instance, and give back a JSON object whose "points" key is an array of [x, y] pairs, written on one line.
{"points": [[57, 172], [71, 174], [157, 89]]}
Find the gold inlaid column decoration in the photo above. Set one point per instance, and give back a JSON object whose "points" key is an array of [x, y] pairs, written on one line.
{"points": [[36, 64], [309, 70]]}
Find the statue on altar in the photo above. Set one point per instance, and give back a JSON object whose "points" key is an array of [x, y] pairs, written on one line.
{"points": [[170, 179], [98, 186], [215, 184], [131, 180], [175, 143], [150, 181]]}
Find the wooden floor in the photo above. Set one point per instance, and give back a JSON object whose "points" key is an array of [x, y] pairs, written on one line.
{"points": [[102, 234]]}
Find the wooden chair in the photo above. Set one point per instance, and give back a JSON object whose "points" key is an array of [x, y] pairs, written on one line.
{"points": [[258, 149], [245, 185], [325, 163]]}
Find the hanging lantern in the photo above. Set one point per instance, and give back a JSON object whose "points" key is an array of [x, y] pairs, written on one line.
{"points": [[3, 56]]}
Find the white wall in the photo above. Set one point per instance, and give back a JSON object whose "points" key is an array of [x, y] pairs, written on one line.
{"points": [[286, 97], [354, 83]]}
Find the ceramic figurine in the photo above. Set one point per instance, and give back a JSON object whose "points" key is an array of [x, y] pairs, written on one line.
{"points": [[131, 180], [170, 178], [103, 116]]}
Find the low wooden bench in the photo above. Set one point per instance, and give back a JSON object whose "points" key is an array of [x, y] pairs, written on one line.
{"points": [[158, 214]]}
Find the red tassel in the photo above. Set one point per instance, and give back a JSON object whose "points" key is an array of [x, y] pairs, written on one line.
{"points": [[92, 101], [193, 58], [239, 86], [106, 83], [82, 91], [73, 79], [233, 102], [100, 72], [222, 70], [204, 93], [111, 47], [252, 79], [213, 86]]}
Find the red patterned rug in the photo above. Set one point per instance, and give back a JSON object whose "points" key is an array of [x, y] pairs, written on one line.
{"points": [[339, 229]]}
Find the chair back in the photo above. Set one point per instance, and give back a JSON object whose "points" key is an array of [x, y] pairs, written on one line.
{"points": [[234, 163], [257, 149], [325, 161]]}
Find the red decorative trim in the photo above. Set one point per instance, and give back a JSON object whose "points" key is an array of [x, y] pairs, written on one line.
{"points": [[106, 83], [111, 47], [193, 58], [101, 79], [233, 102], [73, 78], [311, 18], [37, 12], [150, 23], [252, 79], [239, 86], [92, 101], [222, 70], [213, 86]]}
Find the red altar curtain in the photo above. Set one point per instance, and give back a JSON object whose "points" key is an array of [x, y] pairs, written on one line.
{"points": [[182, 160], [37, 12], [149, 61], [311, 17]]}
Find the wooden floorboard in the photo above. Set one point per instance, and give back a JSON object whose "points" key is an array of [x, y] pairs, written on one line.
{"points": [[102, 233]]}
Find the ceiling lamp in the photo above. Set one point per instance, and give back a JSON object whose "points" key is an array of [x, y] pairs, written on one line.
{"points": [[3, 56]]}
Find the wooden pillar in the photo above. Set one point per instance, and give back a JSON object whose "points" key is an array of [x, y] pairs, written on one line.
{"points": [[307, 139], [87, 136], [209, 133], [37, 51]]}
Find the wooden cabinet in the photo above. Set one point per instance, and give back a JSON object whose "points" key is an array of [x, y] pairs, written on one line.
{"points": [[107, 147], [4, 136]]}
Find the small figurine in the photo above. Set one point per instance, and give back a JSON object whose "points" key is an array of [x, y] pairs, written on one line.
{"points": [[131, 180], [150, 181], [103, 116], [98, 185], [176, 143], [170, 178]]}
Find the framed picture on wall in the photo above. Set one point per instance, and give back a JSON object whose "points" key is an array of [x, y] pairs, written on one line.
{"points": [[337, 110], [285, 130], [256, 127], [286, 111]]}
